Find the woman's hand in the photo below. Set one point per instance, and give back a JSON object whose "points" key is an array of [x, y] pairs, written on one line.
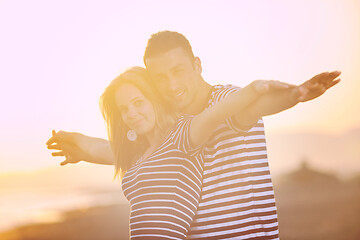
{"points": [[66, 143], [76, 147]]}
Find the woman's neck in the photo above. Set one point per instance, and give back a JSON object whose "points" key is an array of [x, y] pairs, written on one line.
{"points": [[153, 138], [154, 141], [157, 136]]}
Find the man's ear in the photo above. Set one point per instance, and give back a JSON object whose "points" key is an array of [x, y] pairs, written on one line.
{"points": [[197, 64]]}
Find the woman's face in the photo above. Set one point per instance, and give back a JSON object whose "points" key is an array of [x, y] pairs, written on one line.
{"points": [[136, 110]]}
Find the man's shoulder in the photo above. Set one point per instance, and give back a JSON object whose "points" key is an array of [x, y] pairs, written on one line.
{"points": [[220, 91], [218, 87]]}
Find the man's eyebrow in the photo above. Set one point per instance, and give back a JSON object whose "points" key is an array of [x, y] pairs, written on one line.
{"points": [[158, 75], [174, 68], [180, 65]]}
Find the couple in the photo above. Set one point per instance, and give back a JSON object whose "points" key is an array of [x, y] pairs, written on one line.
{"points": [[202, 174]]}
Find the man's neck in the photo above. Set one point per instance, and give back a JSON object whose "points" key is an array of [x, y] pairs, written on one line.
{"points": [[201, 100]]}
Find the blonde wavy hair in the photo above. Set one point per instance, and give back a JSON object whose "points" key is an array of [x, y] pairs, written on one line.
{"points": [[126, 152]]}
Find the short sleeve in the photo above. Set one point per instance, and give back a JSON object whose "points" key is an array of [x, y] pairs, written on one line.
{"points": [[221, 92], [181, 136]]}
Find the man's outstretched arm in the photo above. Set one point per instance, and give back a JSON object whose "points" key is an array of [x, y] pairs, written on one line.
{"points": [[76, 147], [275, 101]]}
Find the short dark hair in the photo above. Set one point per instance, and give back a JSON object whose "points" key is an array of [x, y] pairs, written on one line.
{"points": [[164, 41]]}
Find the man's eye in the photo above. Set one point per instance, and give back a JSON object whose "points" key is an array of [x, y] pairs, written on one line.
{"points": [[178, 71], [138, 103]]}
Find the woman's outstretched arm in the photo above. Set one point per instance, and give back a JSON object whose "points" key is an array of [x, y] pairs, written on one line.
{"points": [[76, 147]]}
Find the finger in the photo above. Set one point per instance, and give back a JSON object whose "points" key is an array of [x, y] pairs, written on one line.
{"points": [[319, 77], [54, 146], [333, 83], [316, 79], [329, 82], [60, 137], [61, 153], [326, 80], [334, 74], [68, 159], [64, 136], [52, 139], [64, 163]]}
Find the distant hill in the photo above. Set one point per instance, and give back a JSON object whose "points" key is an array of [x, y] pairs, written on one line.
{"points": [[306, 177], [314, 204]]}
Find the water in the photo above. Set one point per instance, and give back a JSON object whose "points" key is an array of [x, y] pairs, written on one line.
{"points": [[25, 206]]}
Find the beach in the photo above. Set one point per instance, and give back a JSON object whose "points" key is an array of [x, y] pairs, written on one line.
{"points": [[311, 205]]}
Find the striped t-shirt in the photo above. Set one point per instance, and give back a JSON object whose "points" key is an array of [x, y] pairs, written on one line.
{"points": [[164, 189], [237, 199]]}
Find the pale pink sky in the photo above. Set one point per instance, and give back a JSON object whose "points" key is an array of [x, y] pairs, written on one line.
{"points": [[56, 58]]}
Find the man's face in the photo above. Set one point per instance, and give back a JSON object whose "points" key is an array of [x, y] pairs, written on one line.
{"points": [[176, 76]]}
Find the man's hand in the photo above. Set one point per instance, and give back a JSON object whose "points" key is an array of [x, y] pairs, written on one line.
{"points": [[277, 96], [316, 86], [66, 143]]}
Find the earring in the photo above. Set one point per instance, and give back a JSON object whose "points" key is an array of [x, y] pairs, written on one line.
{"points": [[131, 135]]}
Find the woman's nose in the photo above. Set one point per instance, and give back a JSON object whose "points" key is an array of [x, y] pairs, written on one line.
{"points": [[132, 112]]}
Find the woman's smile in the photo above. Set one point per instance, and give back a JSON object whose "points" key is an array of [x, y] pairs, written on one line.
{"points": [[136, 110]]}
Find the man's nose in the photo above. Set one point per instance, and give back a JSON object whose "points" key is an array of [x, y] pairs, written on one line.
{"points": [[173, 84]]}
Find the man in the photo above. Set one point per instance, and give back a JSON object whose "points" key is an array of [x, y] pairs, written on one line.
{"points": [[237, 199]]}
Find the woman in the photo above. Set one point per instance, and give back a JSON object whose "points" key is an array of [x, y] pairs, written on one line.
{"points": [[161, 182], [157, 154]]}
